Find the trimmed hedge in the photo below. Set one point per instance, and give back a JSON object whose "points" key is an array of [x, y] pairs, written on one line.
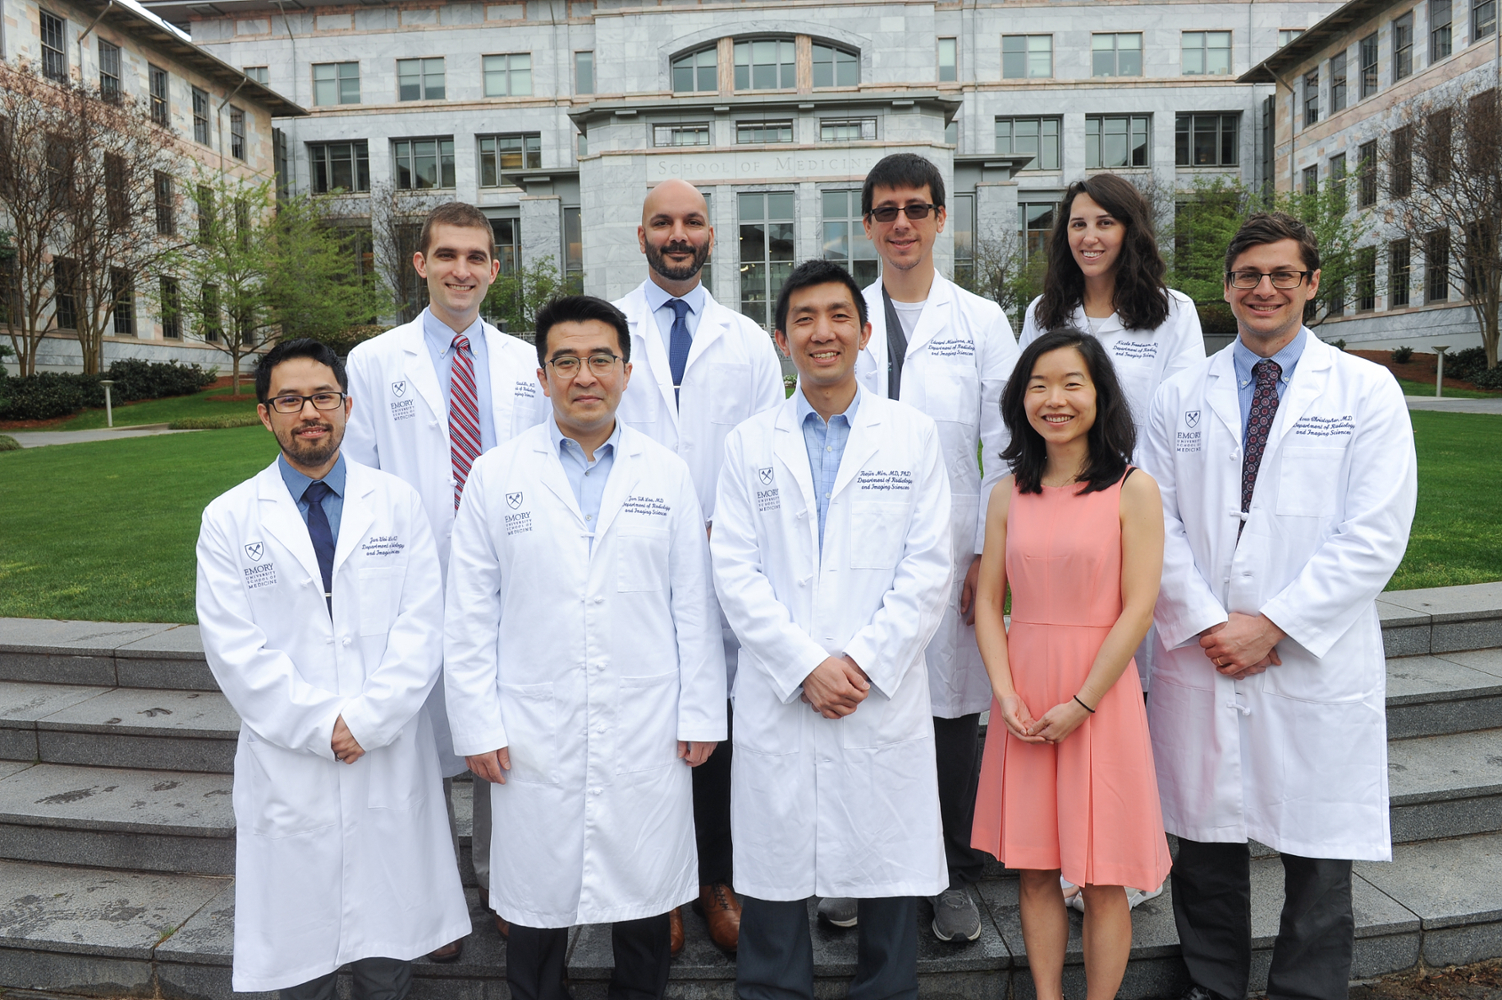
{"points": [[8, 443], [214, 423], [47, 395]]}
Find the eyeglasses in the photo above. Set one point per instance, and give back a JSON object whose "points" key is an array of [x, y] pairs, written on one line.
{"points": [[1280, 279], [294, 404], [599, 364], [887, 213]]}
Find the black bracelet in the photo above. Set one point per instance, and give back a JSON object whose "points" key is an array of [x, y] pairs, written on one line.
{"points": [[1084, 706]]}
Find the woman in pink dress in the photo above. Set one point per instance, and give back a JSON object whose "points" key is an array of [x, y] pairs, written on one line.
{"points": [[1067, 781]]}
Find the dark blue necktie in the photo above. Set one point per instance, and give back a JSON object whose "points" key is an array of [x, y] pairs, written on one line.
{"points": [[323, 537], [678, 347]]}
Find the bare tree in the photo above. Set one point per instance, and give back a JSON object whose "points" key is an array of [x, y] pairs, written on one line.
{"points": [[396, 218], [1004, 272]]}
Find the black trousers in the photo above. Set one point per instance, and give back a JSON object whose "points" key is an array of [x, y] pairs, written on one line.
{"points": [[375, 979], [775, 960], [536, 961], [959, 776], [712, 811], [1212, 905]]}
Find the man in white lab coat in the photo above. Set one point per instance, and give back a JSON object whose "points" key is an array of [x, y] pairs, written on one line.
{"points": [[584, 665], [1288, 476], [320, 604], [434, 394], [701, 368], [949, 353], [832, 559]]}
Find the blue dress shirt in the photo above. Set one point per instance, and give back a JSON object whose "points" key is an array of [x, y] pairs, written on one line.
{"points": [[657, 301], [1246, 384], [586, 478], [440, 341], [333, 504], [825, 443]]}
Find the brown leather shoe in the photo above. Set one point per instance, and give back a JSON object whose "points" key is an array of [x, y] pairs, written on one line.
{"points": [[675, 931], [722, 911], [448, 953]]}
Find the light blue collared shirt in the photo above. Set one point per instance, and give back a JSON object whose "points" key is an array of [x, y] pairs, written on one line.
{"points": [[1246, 384], [657, 301], [297, 483], [825, 443], [440, 341], [586, 478]]}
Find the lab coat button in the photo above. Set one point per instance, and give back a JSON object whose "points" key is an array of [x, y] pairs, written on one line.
{"points": [[599, 600], [346, 640]]}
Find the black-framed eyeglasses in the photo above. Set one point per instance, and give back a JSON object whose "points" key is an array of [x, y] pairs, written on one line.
{"points": [[568, 365], [294, 404], [887, 213], [1280, 279]]}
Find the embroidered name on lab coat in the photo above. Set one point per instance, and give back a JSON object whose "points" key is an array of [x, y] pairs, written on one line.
{"points": [[881, 480], [1324, 427], [1135, 350], [403, 409], [382, 545], [1186, 438], [650, 506], [526, 390], [955, 347], [261, 575]]}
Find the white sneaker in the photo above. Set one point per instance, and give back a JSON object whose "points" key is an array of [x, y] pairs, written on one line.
{"points": [[1135, 897]]}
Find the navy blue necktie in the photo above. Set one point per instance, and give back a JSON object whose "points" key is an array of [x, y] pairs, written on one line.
{"points": [[323, 537], [678, 347]]}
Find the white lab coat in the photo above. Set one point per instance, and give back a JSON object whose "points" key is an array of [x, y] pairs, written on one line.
{"points": [[589, 667], [1295, 757], [400, 424], [333, 862], [958, 360], [846, 807]]}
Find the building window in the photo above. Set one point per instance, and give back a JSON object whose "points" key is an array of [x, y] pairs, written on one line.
{"points": [[210, 321], [1207, 140], [1483, 18], [1206, 53], [502, 153], [832, 67], [1116, 141], [1311, 97], [765, 64], [1338, 178], [340, 166], [200, 116], [419, 79], [505, 76], [697, 71], [65, 288], [336, 83], [1337, 82], [962, 221], [424, 163], [763, 131], [242, 220], [109, 71], [1437, 266], [1286, 35], [949, 60], [1116, 55], [1402, 47], [166, 221], [1026, 56], [158, 80], [583, 139], [1311, 180], [203, 199], [847, 129], [1440, 18], [1400, 181], [172, 309], [1036, 224], [1366, 279], [1038, 136], [122, 292], [584, 72], [508, 243], [845, 236], [236, 132], [54, 47], [116, 191], [766, 250], [1369, 65], [573, 248], [1437, 136], [1366, 170], [260, 74], [952, 133], [1399, 272], [696, 134]]}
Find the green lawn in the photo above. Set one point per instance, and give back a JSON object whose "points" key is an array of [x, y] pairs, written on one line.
{"points": [[1412, 388], [105, 531], [161, 411]]}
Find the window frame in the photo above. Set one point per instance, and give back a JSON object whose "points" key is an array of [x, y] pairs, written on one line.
{"points": [[508, 72], [1100, 136], [1204, 51], [1309, 180], [1339, 82], [862, 122], [336, 81], [1371, 54], [172, 308], [1400, 165], [692, 63], [1043, 134], [852, 58], [444, 172], [1437, 278], [786, 72], [530, 152], [1441, 32], [845, 224], [773, 270], [1116, 51], [161, 106], [237, 132], [1402, 46], [1366, 171], [1400, 273], [260, 74], [321, 165], [109, 72], [764, 125], [422, 77], [1286, 35], [1227, 126], [52, 36], [672, 130], [164, 202], [1311, 97], [1025, 54], [953, 46], [122, 303], [1483, 19], [201, 133], [587, 56]]}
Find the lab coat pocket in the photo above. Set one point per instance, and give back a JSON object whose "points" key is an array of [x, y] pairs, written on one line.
{"points": [[380, 588], [952, 392], [649, 734], [641, 559], [293, 793], [877, 533], [1307, 478], [726, 387], [530, 716], [396, 772], [878, 722]]}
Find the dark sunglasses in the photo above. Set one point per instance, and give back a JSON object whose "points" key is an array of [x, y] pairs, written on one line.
{"points": [[887, 213]]}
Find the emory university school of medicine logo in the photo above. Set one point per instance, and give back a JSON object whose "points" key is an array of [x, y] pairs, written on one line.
{"points": [[1191, 419], [513, 500], [254, 551], [765, 475], [399, 389]]}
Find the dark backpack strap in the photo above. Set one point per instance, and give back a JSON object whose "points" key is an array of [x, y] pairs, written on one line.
{"points": [[1130, 469]]}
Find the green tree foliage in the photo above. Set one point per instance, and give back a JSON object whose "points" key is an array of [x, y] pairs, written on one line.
{"points": [[515, 297]]}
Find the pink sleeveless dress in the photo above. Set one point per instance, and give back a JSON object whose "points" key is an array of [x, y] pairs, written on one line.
{"points": [[1089, 805]]}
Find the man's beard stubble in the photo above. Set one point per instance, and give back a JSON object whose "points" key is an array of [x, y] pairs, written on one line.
{"points": [[309, 454], [658, 262]]}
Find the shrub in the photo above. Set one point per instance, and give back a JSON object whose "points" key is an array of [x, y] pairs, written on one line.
{"points": [[215, 423], [1216, 317], [1466, 364], [1403, 355], [136, 379], [1487, 379], [46, 395], [1339, 344], [344, 341], [8, 443]]}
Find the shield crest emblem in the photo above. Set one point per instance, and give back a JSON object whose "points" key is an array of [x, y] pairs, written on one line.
{"points": [[1191, 419], [765, 475], [399, 389], [513, 500], [254, 550]]}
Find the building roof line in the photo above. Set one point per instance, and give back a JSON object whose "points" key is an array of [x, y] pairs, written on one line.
{"points": [[1316, 37]]}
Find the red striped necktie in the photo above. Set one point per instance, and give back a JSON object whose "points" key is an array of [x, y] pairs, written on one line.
{"points": [[464, 414]]}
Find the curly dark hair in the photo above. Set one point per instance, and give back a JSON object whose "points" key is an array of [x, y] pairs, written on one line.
{"points": [[1111, 438], [1141, 297]]}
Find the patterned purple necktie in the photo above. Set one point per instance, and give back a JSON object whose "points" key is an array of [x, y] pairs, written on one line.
{"points": [[1258, 424]]}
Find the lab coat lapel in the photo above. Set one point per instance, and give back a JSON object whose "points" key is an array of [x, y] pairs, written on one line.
{"points": [[420, 375], [280, 518], [625, 472], [1220, 393], [876, 347], [788, 447], [1310, 377], [550, 471], [502, 392], [712, 326], [933, 318], [356, 517], [864, 440], [646, 337]]}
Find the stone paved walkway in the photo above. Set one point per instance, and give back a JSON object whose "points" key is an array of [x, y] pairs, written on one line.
{"points": [[37, 439], [1454, 405]]}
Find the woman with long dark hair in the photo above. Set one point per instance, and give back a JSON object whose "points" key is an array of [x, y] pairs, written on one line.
{"points": [[1067, 782]]}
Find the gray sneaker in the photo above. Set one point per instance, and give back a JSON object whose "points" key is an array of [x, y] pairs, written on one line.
{"points": [[956, 916], [838, 910]]}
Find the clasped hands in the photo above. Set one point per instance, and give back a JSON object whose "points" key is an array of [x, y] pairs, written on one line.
{"points": [[836, 687], [493, 766], [1057, 723], [1242, 645], [346, 748]]}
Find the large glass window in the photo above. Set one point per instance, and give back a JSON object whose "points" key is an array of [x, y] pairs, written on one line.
{"points": [[949, 60], [1206, 53], [109, 71], [1483, 18], [1038, 136], [1337, 82], [1437, 266], [336, 83], [764, 131], [210, 318], [236, 132], [1338, 177], [1116, 55], [1366, 279], [765, 64], [1026, 56], [122, 293], [424, 163], [766, 250], [847, 129], [1311, 180], [502, 153], [832, 67], [1286, 35], [584, 72], [420, 79], [1036, 223], [1440, 18], [1116, 141], [508, 243], [1311, 97], [1399, 272], [65, 292], [1366, 169], [166, 214], [845, 237], [508, 75], [1400, 178], [962, 221], [1402, 47], [158, 83], [1207, 140], [340, 166], [260, 74], [573, 248], [172, 309], [695, 134], [697, 71], [54, 46], [200, 116], [1369, 65]]}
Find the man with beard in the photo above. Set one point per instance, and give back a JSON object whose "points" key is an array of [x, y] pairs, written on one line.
{"points": [[321, 608], [700, 369]]}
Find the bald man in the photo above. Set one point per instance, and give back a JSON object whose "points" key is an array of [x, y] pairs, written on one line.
{"points": [[699, 369]]}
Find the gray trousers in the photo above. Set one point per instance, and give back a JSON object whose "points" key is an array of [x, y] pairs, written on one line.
{"points": [[480, 835], [775, 960], [375, 979]]}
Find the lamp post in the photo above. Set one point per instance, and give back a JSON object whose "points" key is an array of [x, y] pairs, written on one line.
{"points": [[109, 412], [1439, 371]]}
